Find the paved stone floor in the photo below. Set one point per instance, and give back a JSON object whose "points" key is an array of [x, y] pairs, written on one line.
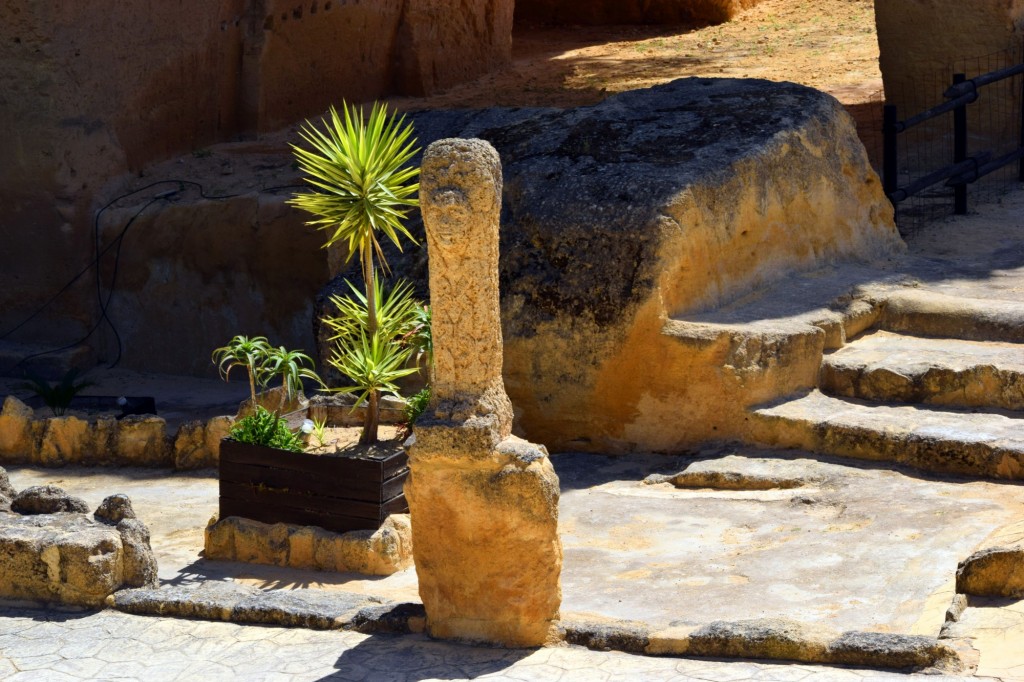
{"points": [[48, 646]]}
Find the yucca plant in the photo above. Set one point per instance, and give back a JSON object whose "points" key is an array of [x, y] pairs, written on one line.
{"points": [[396, 311], [373, 364], [363, 188]]}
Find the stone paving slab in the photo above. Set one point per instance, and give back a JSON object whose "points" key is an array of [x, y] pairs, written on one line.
{"points": [[41, 646], [861, 549]]}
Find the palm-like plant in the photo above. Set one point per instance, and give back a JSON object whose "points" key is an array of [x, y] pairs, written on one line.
{"points": [[364, 188], [291, 365], [396, 310], [242, 351], [372, 363], [57, 396]]}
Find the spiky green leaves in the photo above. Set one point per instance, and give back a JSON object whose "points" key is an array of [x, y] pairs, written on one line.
{"points": [[359, 168]]}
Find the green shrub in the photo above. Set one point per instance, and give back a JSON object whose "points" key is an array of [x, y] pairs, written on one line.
{"points": [[263, 427]]}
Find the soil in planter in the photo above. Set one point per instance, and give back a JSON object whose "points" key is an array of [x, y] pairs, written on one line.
{"points": [[344, 440]]}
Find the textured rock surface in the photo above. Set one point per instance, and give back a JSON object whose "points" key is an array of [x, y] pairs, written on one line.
{"points": [[888, 367], [738, 473], [484, 505], [885, 650], [916, 67], [384, 551], [227, 601], [197, 443], [140, 568], [629, 11], [970, 444], [16, 442], [972, 315], [114, 509], [136, 440], [70, 559], [656, 204], [607, 636], [47, 499], [993, 572], [772, 639], [995, 628], [201, 71], [7, 491]]}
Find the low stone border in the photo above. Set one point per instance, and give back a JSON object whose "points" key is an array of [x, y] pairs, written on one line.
{"points": [[767, 639], [140, 440], [384, 551], [246, 605], [993, 572]]}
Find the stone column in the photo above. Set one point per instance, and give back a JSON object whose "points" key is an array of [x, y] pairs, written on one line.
{"points": [[484, 504]]}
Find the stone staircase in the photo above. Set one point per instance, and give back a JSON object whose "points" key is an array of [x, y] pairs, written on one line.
{"points": [[937, 384]]}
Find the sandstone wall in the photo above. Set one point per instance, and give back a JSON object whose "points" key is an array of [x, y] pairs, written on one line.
{"points": [[99, 90], [629, 11], [920, 41]]}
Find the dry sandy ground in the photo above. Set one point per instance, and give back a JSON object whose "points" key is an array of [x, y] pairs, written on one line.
{"points": [[826, 44]]}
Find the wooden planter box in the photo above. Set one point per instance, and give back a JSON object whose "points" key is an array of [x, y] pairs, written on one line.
{"points": [[336, 493]]}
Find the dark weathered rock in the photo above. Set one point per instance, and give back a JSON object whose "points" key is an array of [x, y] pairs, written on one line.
{"points": [[886, 650], [389, 619], [228, 601], [628, 636], [140, 569], [993, 572], [47, 499], [772, 639], [114, 509], [315, 609], [650, 205], [210, 600]]}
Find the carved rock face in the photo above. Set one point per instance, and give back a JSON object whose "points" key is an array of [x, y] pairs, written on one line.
{"points": [[619, 218]]}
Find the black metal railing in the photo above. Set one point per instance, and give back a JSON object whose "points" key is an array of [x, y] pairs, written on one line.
{"points": [[965, 168]]}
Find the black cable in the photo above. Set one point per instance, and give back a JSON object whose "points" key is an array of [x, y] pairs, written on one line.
{"points": [[118, 241]]}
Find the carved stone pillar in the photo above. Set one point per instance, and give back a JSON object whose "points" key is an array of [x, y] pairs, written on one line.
{"points": [[484, 504]]}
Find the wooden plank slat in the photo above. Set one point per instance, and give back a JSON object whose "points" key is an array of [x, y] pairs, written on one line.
{"points": [[276, 497], [345, 487]]}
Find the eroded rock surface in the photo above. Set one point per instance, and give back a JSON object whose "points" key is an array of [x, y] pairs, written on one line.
{"points": [[197, 443], [384, 551], [652, 205], [47, 499], [993, 572], [68, 558]]}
